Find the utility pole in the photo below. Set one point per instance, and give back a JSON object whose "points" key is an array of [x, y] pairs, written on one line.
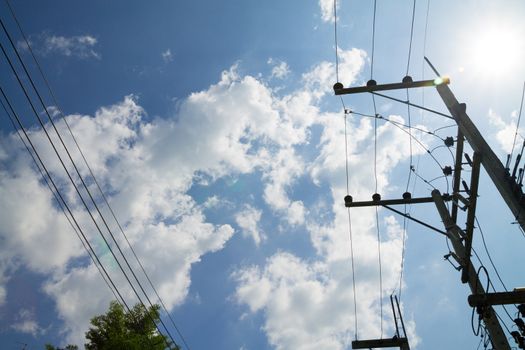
{"points": [[508, 187]]}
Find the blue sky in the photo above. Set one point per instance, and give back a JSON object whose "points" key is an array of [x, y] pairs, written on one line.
{"points": [[213, 130]]}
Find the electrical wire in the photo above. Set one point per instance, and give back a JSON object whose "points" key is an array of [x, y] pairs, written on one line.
{"points": [[488, 255], [335, 40], [375, 174], [373, 41], [518, 123], [379, 116], [60, 204], [350, 231], [21, 127], [74, 166], [91, 171], [411, 35]]}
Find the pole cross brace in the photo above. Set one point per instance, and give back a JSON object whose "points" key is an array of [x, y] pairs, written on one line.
{"points": [[394, 342], [500, 298], [340, 90]]}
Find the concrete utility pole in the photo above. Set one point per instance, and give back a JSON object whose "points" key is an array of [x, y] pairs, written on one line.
{"points": [[461, 240]]}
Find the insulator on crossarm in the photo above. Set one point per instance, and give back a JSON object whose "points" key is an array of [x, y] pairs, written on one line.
{"points": [[407, 79], [447, 170], [449, 141], [465, 187], [521, 309], [407, 196], [371, 82], [467, 157], [376, 197], [338, 86], [518, 339], [521, 325], [348, 200]]}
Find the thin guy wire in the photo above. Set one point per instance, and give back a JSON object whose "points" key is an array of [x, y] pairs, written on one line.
{"points": [[373, 41], [379, 116], [350, 234], [73, 163], [57, 199], [375, 172], [91, 171], [335, 39], [519, 119], [490, 281], [400, 127], [377, 222], [411, 35], [488, 254]]}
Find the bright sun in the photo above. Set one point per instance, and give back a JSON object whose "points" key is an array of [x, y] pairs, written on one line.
{"points": [[494, 49]]}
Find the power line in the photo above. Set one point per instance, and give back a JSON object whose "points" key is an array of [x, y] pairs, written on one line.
{"points": [[373, 41], [375, 172], [91, 171], [58, 192], [518, 123], [350, 232], [75, 167], [335, 40], [411, 35], [57, 199]]}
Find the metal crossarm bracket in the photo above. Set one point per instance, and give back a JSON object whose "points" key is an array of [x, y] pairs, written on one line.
{"points": [[340, 90], [500, 298], [394, 342], [351, 204]]}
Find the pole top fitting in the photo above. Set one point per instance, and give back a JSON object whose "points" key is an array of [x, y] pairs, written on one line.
{"points": [[338, 86]]}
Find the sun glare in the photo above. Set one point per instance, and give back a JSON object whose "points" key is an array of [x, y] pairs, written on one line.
{"points": [[494, 49]]}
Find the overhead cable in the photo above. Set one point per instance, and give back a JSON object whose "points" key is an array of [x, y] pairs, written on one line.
{"points": [[91, 171]]}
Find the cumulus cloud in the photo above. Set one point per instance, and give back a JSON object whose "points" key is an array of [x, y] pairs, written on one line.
{"points": [[505, 130], [147, 166], [308, 304], [280, 69], [79, 46], [248, 220], [25, 323], [167, 56], [298, 296], [327, 10]]}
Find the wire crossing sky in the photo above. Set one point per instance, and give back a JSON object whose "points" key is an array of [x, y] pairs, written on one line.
{"points": [[194, 155]]}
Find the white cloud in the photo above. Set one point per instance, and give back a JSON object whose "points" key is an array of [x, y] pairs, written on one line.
{"points": [[167, 56], [81, 46], [236, 126], [248, 221], [308, 304], [280, 69], [327, 10], [505, 130], [322, 77], [25, 323]]}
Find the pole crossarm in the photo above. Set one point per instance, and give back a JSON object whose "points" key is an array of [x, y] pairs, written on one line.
{"points": [[499, 298], [495, 169], [499, 340], [395, 342], [471, 214], [415, 220], [457, 173], [373, 203], [340, 90]]}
